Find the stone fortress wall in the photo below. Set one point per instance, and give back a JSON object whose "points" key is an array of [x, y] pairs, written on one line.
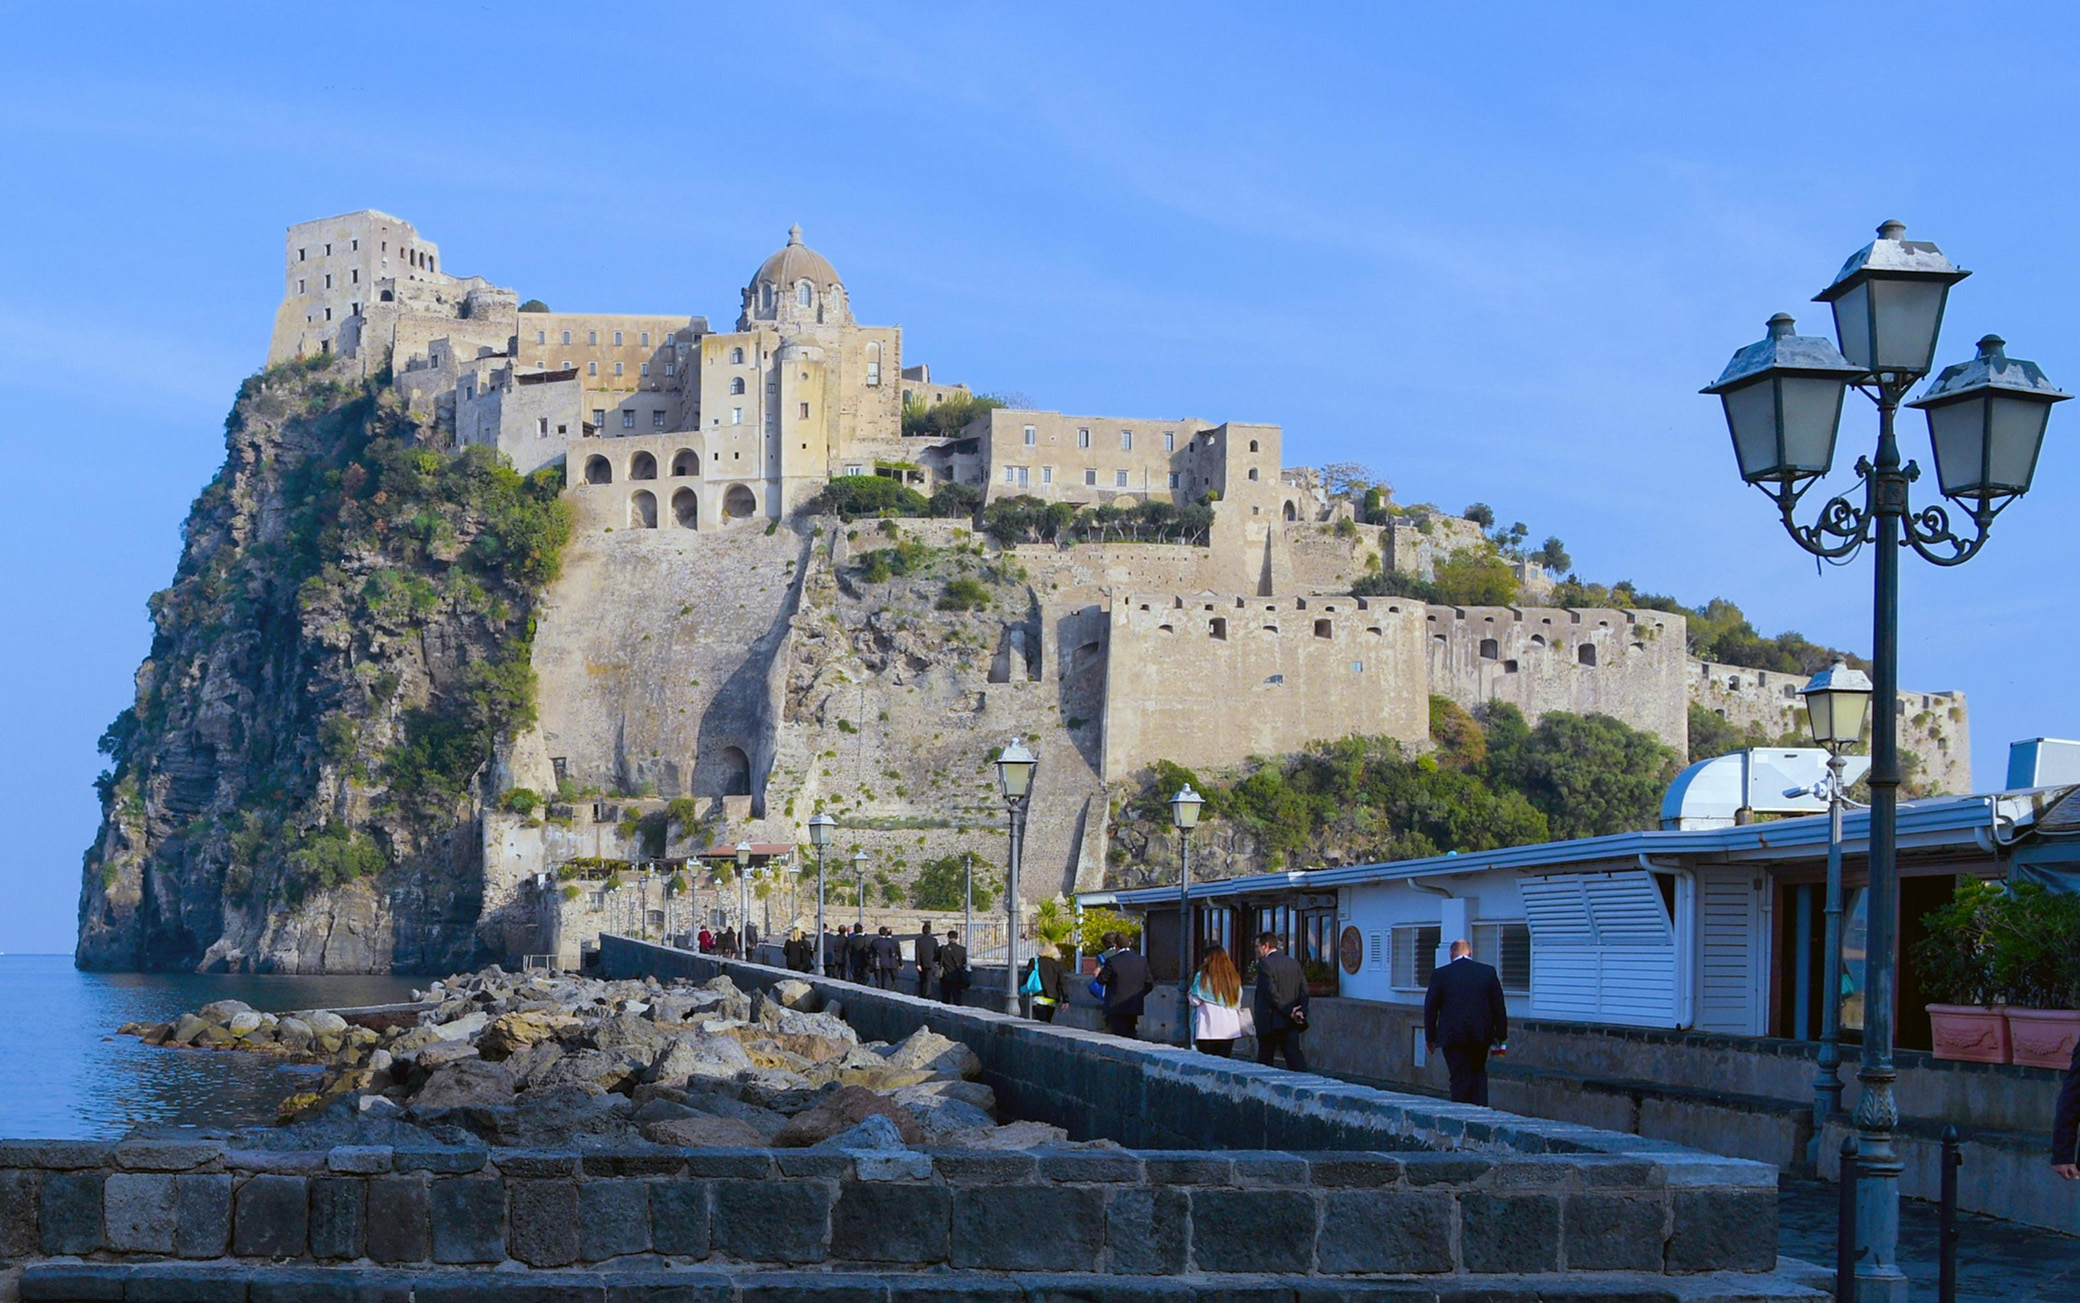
{"points": [[1936, 726], [708, 640]]}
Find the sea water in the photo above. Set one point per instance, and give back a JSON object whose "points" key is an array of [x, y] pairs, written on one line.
{"points": [[65, 1074]]}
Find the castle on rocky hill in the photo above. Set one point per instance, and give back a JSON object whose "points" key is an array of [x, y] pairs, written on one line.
{"points": [[710, 638]]}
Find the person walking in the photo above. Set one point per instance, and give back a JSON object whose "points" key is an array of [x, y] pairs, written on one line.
{"points": [[1279, 1004], [856, 956], [1054, 983], [801, 956], [1464, 1014], [925, 950], [751, 941], [2065, 1124], [953, 968], [706, 942], [726, 943], [888, 959], [833, 952], [1216, 1000], [1127, 982]]}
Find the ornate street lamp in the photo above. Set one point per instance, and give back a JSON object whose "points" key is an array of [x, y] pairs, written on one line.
{"points": [[1838, 703], [1184, 816], [1015, 766], [743, 893], [1986, 421], [859, 886], [820, 825]]}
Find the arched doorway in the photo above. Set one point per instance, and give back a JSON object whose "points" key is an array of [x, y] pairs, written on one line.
{"points": [[642, 509], [686, 508], [739, 503], [642, 466], [1292, 512], [598, 470], [736, 772], [686, 462]]}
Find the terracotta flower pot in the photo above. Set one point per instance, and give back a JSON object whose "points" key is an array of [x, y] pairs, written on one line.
{"points": [[2044, 1038], [1969, 1033]]}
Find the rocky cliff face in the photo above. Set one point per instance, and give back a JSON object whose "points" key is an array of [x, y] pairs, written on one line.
{"points": [[298, 785]]}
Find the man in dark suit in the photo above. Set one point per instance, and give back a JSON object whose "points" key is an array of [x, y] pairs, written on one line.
{"points": [[2065, 1124], [833, 951], [857, 955], [953, 968], [926, 951], [887, 959], [1127, 982], [1279, 1004], [1464, 1013]]}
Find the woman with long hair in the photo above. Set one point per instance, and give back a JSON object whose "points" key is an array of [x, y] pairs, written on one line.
{"points": [[1216, 998]]}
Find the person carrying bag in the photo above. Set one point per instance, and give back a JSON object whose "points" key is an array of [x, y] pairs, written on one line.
{"points": [[1216, 1001]]}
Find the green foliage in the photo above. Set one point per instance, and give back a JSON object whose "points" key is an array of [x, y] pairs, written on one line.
{"points": [[1480, 513], [945, 419], [1717, 629], [951, 500], [2017, 944], [1553, 556], [1713, 735], [847, 726], [870, 495], [1955, 962], [534, 305], [941, 884], [1027, 519], [964, 594], [907, 557], [1470, 576], [333, 856], [520, 800], [1098, 921], [1492, 782]]}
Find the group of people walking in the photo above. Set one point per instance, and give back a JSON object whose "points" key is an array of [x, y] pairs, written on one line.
{"points": [[1276, 1015], [728, 943], [877, 959]]}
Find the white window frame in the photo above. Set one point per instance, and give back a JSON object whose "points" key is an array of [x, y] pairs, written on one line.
{"points": [[1415, 943], [1488, 938]]}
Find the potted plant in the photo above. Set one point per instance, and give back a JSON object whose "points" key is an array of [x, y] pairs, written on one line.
{"points": [[1321, 976], [2036, 944], [1956, 966]]}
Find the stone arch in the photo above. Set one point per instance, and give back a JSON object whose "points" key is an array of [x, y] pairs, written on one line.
{"points": [[642, 466], [1292, 510], [686, 462], [736, 355], [736, 771], [739, 503], [1253, 445], [686, 508], [598, 470], [736, 384], [642, 509]]}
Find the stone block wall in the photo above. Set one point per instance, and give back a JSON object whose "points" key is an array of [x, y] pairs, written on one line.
{"points": [[1936, 726]]}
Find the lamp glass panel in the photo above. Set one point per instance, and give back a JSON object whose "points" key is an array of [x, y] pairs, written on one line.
{"points": [[1013, 776], [1851, 710], [1751, 414], [1812, 408], [1958, 433], [2017, 433], [1852, 325], [1184, 812], [1820, 713], [1908, 313]]}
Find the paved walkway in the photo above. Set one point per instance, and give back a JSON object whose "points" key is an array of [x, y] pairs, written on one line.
{"points": [[1997, 1261]]}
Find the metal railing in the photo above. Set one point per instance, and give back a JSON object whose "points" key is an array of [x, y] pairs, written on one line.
{"points": [[1846, 1254]]}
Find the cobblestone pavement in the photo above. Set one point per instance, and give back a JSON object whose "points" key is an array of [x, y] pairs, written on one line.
{"points": [[1997, 1261]]}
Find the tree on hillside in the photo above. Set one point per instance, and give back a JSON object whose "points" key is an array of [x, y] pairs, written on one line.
{"points": [[942, 883], [1480, 513], [1589, 774]]}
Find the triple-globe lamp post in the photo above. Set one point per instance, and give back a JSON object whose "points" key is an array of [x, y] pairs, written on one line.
{"points": [[1015, 766], [1184, 816], [820, 825], [743, 894], [1986, 417]]}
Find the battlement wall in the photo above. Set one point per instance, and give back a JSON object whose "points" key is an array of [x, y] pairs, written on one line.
{"points": [[1629, 664], [1208, 681], [1934, 726]]}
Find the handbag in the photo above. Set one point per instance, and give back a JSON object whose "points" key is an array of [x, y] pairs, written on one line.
{"points": [[1097, 989], [1031, 985]]}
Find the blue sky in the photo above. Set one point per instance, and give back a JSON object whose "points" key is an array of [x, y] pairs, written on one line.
{"points": [[1490, 252]]}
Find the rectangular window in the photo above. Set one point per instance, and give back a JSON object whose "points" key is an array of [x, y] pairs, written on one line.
{"points": [[1505, 947], [1083, 438], [1415, 955], [668, 369], [1047, 474], [328, 280], [1126, 441], [564, 365], [299, 287], [566, 337], [617, 368], [354, 309], [736, 416], [541, 337], [873, 374], [1011, 474], [1090, 477], [657, 419], [1032, 436], [328, 251], [1119, 479], [854, 468], [328, 314], [1170, 441], [628, 418], [354, 243], [599, 418], [646, 371], [1173, 479], [805, 411], [592, 337], [300, 253], [617, 339], [644, 339], [354, 276], [541, 427], [592, 368]]}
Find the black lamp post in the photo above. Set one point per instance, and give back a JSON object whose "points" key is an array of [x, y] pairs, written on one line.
{"points": [[1184, 816], [1986, 420], [859, 886], [820, 825], [1838, 703], [1015, 766], [743, 893]]}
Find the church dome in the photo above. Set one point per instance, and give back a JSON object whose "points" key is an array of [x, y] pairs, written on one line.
{"points": [[796, 262]]}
